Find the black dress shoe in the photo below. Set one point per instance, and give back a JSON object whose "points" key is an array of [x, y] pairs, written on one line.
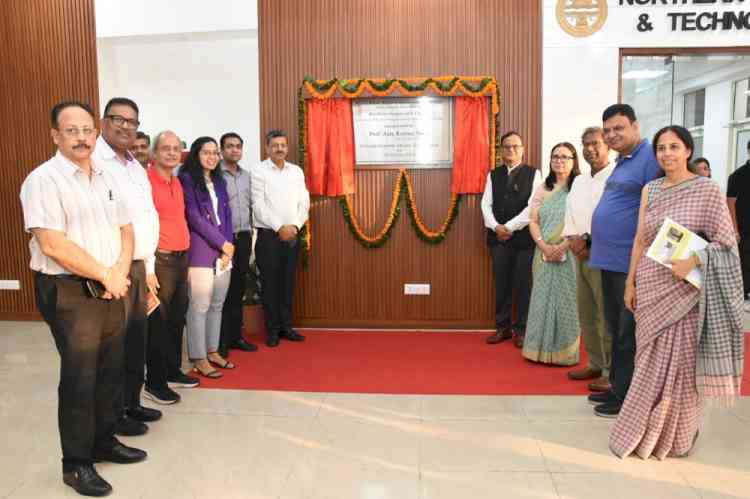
{"points": [[609, 410], [243, 345], [121, 454], [291, 335], [129, 427], [86, 481], [602, 398], [500, 335], [143, 414], [272, 339]]}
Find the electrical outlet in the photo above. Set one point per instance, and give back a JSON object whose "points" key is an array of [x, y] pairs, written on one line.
{"points": [[416, 289]]}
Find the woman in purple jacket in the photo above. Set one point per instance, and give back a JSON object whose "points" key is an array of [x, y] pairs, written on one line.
{"points": [[210, 221]]}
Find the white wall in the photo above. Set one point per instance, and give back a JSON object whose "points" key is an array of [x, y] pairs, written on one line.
{"points": [[190, 69], [581, 75]]}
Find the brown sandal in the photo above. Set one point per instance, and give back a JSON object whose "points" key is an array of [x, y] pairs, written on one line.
{"points": [[226, 365], [213, 374]]}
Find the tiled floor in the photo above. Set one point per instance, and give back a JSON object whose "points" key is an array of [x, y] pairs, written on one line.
{"points": [[240, 444]]}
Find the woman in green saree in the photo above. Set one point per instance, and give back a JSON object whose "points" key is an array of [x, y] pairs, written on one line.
{"points": [[552, 330]]}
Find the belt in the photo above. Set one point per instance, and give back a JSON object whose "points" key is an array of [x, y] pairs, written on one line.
{"points": [[172, 252], [65, 277]]}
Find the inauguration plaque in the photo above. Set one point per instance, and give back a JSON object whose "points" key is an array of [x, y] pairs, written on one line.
{"points": [[404, 131]]}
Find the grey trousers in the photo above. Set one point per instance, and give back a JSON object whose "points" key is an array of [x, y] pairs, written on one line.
{"points": [[206, 295]]}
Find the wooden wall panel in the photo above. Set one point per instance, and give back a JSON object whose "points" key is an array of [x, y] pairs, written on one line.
{"points": [[47, 53], [347, 285]]}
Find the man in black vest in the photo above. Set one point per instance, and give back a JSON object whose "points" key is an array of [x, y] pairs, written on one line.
{"points": [[506, 215]]}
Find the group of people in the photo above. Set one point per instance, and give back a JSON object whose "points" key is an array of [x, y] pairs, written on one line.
{"points": [[571, 249], [132, 244]]}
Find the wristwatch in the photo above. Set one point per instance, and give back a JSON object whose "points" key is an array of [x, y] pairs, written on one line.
{"points": [[587, 238]]}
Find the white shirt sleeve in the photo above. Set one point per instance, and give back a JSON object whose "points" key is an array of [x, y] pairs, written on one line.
{"points": [[570, 226], [303, 207], [489, 218], [41, 204], [521, 220]]}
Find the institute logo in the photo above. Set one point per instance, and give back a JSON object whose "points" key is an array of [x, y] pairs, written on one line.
{"points": [[581, 17]]}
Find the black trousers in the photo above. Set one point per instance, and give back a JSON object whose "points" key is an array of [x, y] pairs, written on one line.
{"points": [[167, 323], [512, 269], [744, 248], [621, 326], [136, 332], [89, 337], [277, 262], [231, 314]]}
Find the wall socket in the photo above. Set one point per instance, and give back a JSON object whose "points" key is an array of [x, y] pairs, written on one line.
{"points": [[15, 285], [416, 289]]}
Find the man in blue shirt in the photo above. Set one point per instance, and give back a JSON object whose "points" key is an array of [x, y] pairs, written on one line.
{"points": [[613, 230]]}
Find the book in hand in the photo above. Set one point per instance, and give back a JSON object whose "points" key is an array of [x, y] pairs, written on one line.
{"points": [[675, 242], [219, 270]]}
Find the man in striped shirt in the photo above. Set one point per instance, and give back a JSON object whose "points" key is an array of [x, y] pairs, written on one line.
{"points": [[81, 251]]}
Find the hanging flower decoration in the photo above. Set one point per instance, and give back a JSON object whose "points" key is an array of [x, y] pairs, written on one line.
{"points": [[402, 189], [446, 86]]}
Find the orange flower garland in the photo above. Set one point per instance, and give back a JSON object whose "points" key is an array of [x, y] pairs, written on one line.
{"points": [[424, 232], [382, 235]]}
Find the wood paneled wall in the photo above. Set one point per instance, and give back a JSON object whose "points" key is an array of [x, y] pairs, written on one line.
{"points": [[347, 285], [47, 53]]}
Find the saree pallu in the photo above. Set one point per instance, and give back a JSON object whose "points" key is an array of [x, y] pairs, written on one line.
{"points": [[552, 330], [661, 413]]}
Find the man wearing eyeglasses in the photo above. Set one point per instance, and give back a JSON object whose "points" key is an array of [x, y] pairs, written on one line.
{"points": [[506, 216], [119, 126], [81, 251]]}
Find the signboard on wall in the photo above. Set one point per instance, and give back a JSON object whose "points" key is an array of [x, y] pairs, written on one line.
{"points": [[404, 131], [582, 18]]}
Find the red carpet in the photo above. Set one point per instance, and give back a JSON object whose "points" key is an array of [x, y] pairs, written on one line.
{"points": [[399, 362]]}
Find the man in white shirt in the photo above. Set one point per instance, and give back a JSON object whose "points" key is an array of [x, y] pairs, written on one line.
{"points": [[119, 126], [582, 200], [505, 209], [281, 206], [81, 251]]}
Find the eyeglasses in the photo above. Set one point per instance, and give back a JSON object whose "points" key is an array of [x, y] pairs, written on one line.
{"points": [[557, 157], [513, 147], [123, 121], [74, 132]]}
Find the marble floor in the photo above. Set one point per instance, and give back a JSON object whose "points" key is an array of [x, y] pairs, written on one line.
{"points": [[242, 444]]}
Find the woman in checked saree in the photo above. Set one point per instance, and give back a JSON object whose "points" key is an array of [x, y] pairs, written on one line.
{"points": [[689, 340], [552, 331]]}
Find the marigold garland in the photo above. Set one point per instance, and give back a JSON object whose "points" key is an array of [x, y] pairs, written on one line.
{"points": [[423, 232], [402, 189], [446, 86]]}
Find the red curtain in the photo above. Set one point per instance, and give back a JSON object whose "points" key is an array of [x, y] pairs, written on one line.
{"points": [[471, 146], [330, 147]]}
